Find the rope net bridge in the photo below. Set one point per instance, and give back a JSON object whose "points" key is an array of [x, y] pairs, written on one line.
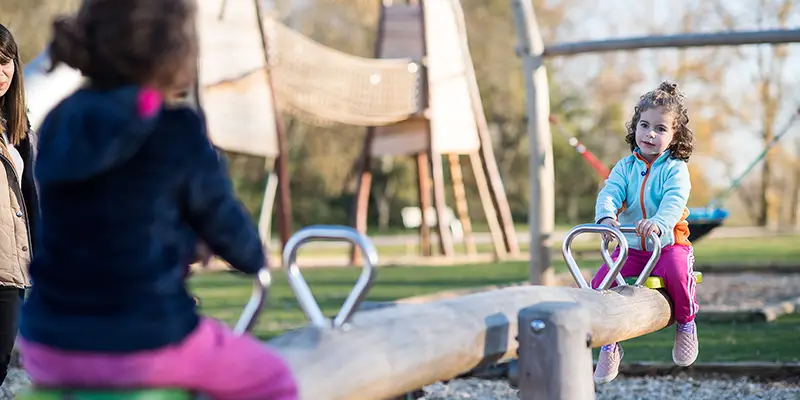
{"points": [[322, 85]]}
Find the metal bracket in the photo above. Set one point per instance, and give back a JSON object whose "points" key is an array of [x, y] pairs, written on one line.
{"points": [[651, 263], [257, 299], [300, 287], [614, 266]]}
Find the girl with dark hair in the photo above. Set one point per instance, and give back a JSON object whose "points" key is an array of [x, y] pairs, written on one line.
{"points": [[129, 184], [650, 188], [18, 208]]}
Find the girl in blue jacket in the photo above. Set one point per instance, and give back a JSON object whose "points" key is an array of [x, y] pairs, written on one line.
{"points": [[650, 189]]}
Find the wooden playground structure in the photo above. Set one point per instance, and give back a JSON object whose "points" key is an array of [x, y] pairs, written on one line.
{"points": [[418, 97], [451, 123], [385, 353]]}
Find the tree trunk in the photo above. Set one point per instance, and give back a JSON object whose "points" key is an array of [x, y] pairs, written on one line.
{"points": [[762, 218], [573, 209], [795, 200]]}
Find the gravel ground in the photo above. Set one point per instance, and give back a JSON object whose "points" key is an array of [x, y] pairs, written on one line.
{"points": [[718, 292], [661, 388]]}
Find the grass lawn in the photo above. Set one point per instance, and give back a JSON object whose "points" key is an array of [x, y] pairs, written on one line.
{"points": [[725, 342], [739, 251], [223, 295]]}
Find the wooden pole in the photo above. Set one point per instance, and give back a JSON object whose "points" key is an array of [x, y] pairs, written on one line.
{"points": [[774, 36], [541, 215], [555, 357], [435, 158], [267, 205], [363, 187], [282, 168], [423, 181], [440, 204], [462, 208], [364, 182], [488, 209], [393, 350], [496, 189]]}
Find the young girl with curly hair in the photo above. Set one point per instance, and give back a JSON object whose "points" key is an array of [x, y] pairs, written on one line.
{"points": [[129, 185], [650, 189], [18, 206]]}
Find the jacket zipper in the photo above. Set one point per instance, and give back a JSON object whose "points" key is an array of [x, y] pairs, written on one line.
{"points": [[641, 198], [18, 192]]}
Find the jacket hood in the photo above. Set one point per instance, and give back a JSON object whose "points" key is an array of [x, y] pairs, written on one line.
{"points": [[94, 130]]}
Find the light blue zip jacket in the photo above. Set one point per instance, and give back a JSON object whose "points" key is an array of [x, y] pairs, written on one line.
{"points": [[659, 191]]}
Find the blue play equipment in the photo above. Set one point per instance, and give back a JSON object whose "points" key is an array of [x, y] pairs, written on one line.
{"points": [[702, 220]]}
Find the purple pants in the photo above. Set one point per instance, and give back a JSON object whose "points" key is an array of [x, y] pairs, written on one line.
{"points": [[676, 267]]}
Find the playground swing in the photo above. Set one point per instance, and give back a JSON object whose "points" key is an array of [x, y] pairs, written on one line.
{"points": [[615, 266], [250, 313], [702, 220]]}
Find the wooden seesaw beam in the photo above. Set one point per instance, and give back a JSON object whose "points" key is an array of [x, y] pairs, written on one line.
{"points": [[385, 353]]}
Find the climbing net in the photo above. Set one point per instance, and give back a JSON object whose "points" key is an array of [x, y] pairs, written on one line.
{"points": [[322, 85]]}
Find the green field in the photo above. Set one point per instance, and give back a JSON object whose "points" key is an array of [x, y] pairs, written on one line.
{"points": [[223, 295], [780, 250]]}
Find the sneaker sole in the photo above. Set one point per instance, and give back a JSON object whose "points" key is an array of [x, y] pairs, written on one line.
{"points": [[605, 379], [684, 363]]}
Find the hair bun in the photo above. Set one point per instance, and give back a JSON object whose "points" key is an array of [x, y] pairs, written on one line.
{"points": [[69, 44], [670, 88]]}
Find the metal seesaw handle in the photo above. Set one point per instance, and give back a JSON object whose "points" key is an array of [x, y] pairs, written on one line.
{"points": [[614, 266], [651, 263], [610, 261], [300, 286], [257, 299]]}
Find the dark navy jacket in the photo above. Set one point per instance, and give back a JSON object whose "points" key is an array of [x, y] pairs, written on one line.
{"points": [[123, 200]]}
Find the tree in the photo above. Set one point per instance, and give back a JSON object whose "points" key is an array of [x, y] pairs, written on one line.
{"points": [[769, 98], [30, 22]]}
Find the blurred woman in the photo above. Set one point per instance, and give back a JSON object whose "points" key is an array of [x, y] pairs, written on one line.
{"points": [[19, 208]]}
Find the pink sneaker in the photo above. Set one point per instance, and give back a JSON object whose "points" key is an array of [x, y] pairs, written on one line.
{"points": [[608, 363], [685, 350]]}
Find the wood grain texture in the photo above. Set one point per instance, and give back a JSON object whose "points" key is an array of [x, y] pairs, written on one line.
{"points": [[391, 351]]}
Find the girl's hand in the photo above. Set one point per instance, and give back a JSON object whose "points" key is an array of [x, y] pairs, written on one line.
{"points": [[645, 228], [203, 253], [610, 222]]}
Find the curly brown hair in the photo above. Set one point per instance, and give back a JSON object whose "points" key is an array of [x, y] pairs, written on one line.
{"points": [[12, 103], [129, 42], [671, 99]]}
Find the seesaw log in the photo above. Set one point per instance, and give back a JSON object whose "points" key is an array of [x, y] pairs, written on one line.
{"points": [[391, 351]]}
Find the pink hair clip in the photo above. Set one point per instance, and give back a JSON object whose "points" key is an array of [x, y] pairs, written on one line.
{"points": [[148, 102]]}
